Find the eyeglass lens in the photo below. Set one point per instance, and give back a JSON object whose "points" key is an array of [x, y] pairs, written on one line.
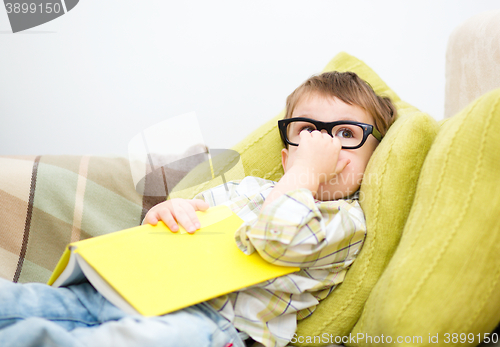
{"points": [[350, 135]]}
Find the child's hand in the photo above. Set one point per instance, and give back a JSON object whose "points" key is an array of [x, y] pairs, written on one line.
{"points": [[319, 152], [316, 162], [175, 211]]}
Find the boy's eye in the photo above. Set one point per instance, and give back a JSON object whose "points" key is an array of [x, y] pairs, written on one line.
{"points": [[344, 133], [308, 128]]}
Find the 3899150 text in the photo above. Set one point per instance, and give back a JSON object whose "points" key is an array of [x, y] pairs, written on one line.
{"points": [[25, 7], [455, 338]]}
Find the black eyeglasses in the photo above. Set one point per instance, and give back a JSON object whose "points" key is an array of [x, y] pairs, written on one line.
{"points": [[351, 134]]}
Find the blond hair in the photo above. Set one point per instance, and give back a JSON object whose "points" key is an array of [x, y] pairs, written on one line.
{"points": [[349, 88]]}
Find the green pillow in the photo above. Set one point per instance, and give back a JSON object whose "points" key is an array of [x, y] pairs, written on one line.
{"points": [[387, 194], [444, 277]]}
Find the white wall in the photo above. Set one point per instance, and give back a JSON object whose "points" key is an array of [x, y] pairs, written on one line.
{"points": [[89, 81]]}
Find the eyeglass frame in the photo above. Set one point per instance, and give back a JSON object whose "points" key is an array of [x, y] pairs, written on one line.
{"points": [[328, 126]]}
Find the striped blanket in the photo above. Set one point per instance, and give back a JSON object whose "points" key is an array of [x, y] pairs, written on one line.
{"points": [[47, 202]]}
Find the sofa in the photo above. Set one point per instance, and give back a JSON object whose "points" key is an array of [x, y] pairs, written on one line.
{"points": [[429, 272]]}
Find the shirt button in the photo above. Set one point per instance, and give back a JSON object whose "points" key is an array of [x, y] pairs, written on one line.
{"points": [[274, 231]]}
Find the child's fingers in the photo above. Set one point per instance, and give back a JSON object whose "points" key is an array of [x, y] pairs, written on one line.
{"points": [[151, 218], [337, 143], [199, 205], [168, 219], [186, 216]]}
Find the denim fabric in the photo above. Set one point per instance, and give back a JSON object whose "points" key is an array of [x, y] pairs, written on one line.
{"points": [[39, 315]]}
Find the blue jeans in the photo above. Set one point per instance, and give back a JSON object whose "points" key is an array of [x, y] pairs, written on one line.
{"points": [[39, 315]]}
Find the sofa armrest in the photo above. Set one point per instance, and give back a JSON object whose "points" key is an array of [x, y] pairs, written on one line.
{"points": [[472, 61]]}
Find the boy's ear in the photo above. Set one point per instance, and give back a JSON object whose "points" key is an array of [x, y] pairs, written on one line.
{"points": [[284, 158]]}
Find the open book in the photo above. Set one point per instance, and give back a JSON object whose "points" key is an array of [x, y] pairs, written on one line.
{"points": [[151, 271]]}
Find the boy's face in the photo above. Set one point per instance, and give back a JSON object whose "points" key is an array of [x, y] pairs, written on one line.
{"points": [[330, 109]]}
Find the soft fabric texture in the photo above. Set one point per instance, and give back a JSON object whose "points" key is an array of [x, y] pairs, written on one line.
{"points": [[444, 277], [472, 61], [50, 201], [386, 197]]}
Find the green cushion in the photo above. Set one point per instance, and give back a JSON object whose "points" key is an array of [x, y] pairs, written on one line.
{"points": [[387, 195], [444, 277]]}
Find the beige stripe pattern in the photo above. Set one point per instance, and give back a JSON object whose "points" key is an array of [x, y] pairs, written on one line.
{"points": [[79, 198]]}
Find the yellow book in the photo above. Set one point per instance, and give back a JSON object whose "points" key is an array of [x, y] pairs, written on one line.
{"points": [[152, 271]]}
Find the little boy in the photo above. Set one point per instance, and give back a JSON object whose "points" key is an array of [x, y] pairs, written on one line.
{"points": [[310, 219]]}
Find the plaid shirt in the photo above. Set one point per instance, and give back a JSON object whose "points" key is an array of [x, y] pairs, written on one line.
{"points": [[321, 237]]}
